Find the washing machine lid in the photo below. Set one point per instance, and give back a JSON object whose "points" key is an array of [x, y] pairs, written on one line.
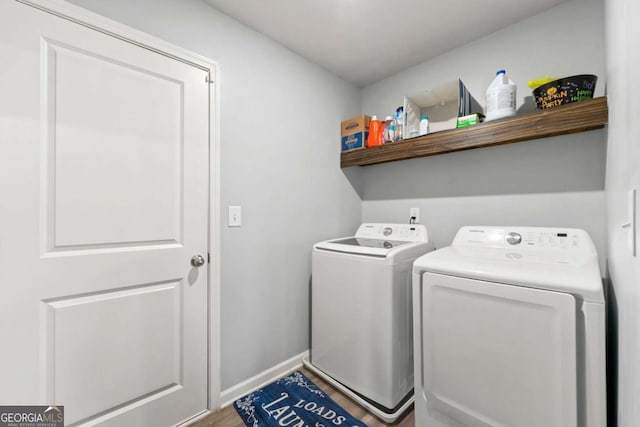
{"points": [[556, 259], [378, 239], [360, 245]]}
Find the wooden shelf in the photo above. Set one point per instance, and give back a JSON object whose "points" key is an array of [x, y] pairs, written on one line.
{"points": [[571, 118]]}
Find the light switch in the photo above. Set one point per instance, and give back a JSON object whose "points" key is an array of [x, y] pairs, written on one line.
{"points": [[630, 225], [235, 216], [631, 217]]}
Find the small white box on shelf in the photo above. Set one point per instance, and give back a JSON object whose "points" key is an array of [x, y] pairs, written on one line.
{"points": [[442, 104]]}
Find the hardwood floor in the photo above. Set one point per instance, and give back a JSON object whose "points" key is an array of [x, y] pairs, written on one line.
{"points": [[228, 417]]}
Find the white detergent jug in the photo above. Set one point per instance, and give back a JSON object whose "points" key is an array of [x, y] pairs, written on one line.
{"points": [[501, 97]]}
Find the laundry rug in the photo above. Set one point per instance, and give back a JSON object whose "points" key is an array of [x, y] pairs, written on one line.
{"points": [[293, 401]]}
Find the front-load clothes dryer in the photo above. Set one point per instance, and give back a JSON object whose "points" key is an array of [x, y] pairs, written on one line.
{"points": [[361, 318], [509, 330]]}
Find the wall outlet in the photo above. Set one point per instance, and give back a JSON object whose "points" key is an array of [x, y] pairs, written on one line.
{"points": [[415, 214], [235, 216]]}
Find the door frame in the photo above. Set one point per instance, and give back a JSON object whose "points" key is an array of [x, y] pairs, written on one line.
{"points": [[112, 28]]}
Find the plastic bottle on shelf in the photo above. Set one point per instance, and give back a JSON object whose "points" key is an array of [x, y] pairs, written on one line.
{"points": [[424, 124], [389, 129], [399, 124], [501, 97], [376, 132]]}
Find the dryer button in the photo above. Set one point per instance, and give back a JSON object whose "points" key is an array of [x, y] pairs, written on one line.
{"points": [[514, 238]]}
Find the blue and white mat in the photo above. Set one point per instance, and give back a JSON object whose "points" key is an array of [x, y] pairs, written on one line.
{"points": [[293, 401]]}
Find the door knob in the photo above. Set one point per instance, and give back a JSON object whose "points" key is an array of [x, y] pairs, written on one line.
{"points": [[197, 260]]}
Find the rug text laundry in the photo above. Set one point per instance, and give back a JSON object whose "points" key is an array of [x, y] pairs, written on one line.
{"points": [[287, 416]]}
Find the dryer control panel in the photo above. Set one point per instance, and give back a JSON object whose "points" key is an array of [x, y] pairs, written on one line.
{"points": [[543, 238], [398, 232]]}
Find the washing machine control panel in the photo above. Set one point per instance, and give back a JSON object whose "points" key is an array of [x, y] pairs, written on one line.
{"points": [[398, 232], [565, 239]]}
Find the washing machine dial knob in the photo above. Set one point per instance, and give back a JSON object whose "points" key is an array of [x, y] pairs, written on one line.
{"points": [[387, 231], [514, 238]]}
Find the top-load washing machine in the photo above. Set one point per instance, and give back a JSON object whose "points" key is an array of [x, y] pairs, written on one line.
{"points": [[510, 330], [361, 314]]}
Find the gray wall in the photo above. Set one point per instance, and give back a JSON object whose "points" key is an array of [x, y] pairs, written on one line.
{"points": [[555, 181], [279, 155], [623, 173], [280, 134]]}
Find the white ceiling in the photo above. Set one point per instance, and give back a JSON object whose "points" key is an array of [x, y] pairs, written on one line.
{"points": [[364, 41]]}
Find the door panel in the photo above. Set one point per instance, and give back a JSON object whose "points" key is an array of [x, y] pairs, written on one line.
{"points": [[136, 353], [104, 177], [93, 172], [498, 355]]}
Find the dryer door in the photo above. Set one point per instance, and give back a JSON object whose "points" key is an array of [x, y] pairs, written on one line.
{"points": [[498, 355]]}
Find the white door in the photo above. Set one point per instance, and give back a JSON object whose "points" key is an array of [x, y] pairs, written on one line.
{"points": [[104, 200], [496, 355]]}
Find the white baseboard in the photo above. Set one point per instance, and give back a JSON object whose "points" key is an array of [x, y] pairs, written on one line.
{"points": [[230, 395]]}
